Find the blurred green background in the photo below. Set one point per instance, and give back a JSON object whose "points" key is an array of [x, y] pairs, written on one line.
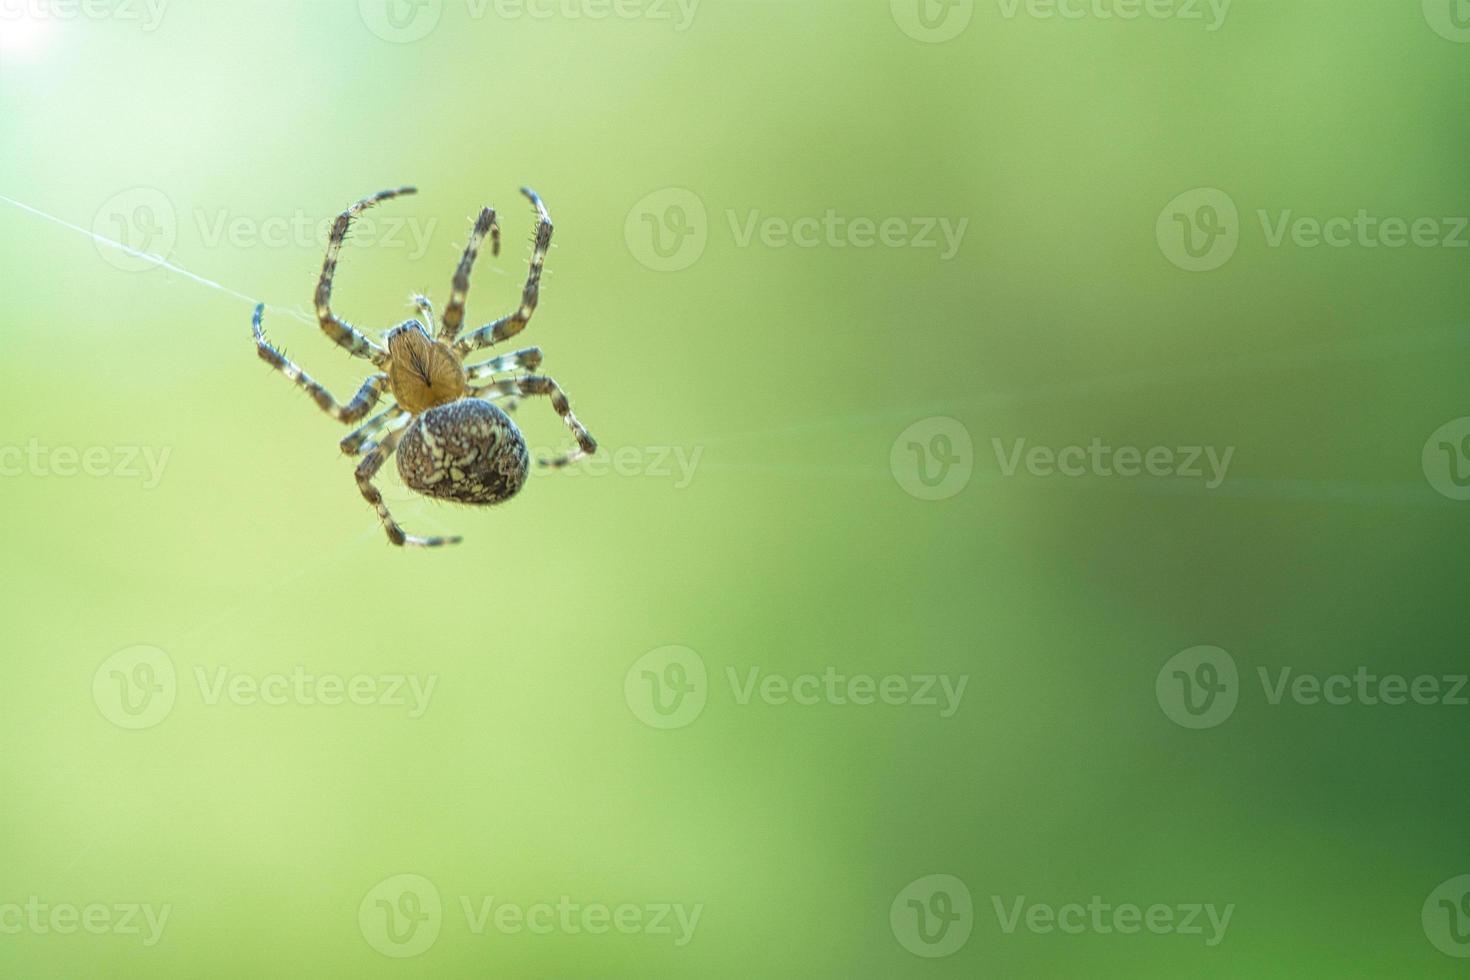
{"points": [[821, 394]]}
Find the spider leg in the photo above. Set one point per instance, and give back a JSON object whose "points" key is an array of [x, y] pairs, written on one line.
{"points": [[454, 312], [353, 411], [340, 331], [495, 391], [424, 307], [508, 326], [541, 385], [359, 441], [366, 470], [529, 359]]}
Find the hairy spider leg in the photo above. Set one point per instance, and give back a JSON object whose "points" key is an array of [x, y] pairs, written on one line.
{"points": [[459, 289], [353, 411], [508, 326], [366, 470], [341, 332], [541, 385]]}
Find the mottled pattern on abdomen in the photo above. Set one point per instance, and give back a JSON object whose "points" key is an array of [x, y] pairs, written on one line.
{"points": [[468, 451]]}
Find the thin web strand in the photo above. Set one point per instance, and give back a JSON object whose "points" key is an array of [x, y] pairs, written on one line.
{"points": [[149, 257]]}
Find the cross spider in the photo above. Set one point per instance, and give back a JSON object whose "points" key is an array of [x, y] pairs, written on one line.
{"points": [[453, 442]]}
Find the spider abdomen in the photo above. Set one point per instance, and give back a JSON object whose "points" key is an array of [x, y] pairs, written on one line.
{"points": [[468, 451]]}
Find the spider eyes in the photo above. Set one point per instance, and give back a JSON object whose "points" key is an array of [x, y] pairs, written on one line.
{"points": [[408, 325]]}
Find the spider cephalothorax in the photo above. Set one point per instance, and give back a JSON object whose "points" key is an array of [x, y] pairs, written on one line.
{"points": [[422, 372], [453, 442]]}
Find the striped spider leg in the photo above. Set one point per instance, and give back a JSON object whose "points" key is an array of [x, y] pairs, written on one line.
{"points": [[533, 384], [342, 333], [459, 289], [508, 326], [361, 439], [528, 359], [366, 470], [362, 403]]}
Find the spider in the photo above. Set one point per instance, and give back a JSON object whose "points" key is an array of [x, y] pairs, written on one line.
{"points": [[453, 442]]}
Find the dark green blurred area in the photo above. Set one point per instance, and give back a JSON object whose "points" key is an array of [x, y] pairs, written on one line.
{"points": [[761, 502]]}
